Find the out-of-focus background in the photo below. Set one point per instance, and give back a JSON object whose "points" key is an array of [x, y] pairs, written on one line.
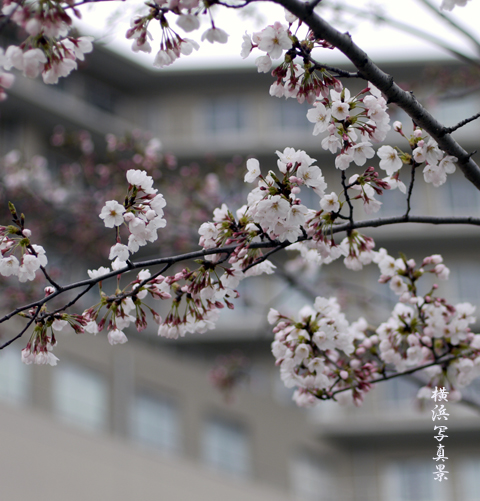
{"points": [[143, 420]]}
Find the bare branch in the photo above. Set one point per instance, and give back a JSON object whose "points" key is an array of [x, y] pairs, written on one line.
{"points": [[414, 31], [410, 190], [455, 24], [22, 332], [462, 123]]}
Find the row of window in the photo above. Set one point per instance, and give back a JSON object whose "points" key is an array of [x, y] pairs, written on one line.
{"points": [[231, 114], [80, 397]]}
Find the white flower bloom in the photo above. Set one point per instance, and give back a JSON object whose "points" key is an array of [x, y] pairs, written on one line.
{"points": [[163, 58], [434, 174], [215, 35], [59, 324], [320, 116], [188, 46], [361, 152], [98, 273], [390, 161], [82, 45], [9, 266], [188, 22], [342, 161], [263, 63], [274, 40], [140, 179], [289, 17], [119, 250], [91, 327], [116, 337], [448, 164], [395, 183], [253, 166], [112, 214], [246, 46], [330, 203], [340, 110]]}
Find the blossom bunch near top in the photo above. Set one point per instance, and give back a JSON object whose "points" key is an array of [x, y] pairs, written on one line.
{"points": [[273, 40], [424, 150], [51, 59], [352, 123], [451, 4]]}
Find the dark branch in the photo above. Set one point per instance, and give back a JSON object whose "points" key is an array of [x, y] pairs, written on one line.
{"points": [[169, 261]]}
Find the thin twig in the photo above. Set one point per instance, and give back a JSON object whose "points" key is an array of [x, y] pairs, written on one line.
{"points": [[455, 24], [449, 130], [410, 189], [397, 374], [30, 322], [417, 32], [347, 198]]}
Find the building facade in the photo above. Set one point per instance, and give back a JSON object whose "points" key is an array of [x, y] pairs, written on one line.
{"points": [[142, 420]]}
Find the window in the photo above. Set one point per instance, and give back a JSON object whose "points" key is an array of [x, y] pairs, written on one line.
{"points": [[400, 392], [469, 481], [394, 203], [155, 422], [311, 480], [289, 114], [100, 95], [458, 196], [225, 115], [225, 447], [466, 273], [452, 111], [14, 377], [413, 480], [80, 396]]}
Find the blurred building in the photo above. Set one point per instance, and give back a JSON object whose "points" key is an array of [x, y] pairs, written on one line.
{"points": [[141, 420]]}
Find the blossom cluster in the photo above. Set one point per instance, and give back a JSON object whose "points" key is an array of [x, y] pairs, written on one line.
{"points": [[172, 45], [47, 50], [321, 354], [425, 150], [273, 40], [142, 213], [16, 239]]}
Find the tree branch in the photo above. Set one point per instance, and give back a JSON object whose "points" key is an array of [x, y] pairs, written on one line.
{"points": [[274, 245], [385, 83], [455, 24]]}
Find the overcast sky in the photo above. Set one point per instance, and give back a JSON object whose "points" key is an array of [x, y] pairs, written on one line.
{"points": [[380, 41]]}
